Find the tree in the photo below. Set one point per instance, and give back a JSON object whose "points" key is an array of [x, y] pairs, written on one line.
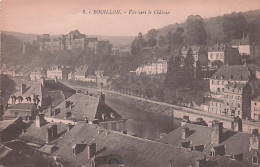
{"points": [[173, 72], [234, 26], [195, 30], [217, 63], [137, 44], [162, 41], [188, 70], [152, 33], [152, 42]]}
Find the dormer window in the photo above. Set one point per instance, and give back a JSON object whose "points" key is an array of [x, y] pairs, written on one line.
{"points": [[240, 77], [222, 76], [216, 77], [231, 76]]}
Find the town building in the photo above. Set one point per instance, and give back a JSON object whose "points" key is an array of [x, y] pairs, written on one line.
{"points": [[242, 45], [36, 75], [91, 78], [96, 146], [237, 100], [255, 109], [223, 53], [216, 106], [33, 96], [228, 74], [57, 72], [157, 67], [81, 73], [99, 73], [217, 142], [88, 108], [102, 81]]}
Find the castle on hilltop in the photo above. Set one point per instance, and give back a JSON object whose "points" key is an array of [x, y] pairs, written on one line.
{"points": [[72, 41]]}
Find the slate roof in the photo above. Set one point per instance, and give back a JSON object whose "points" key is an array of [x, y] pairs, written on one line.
{"points": [[218, 100], [56, 97], [8, 157], [6, 123], [236, 85], [257, 99], [31, 87], [134, 151], [237, 42], [195, 135], [84, 106], [38, 135], [23, 106], [234, 72], [235, 142], [220, 48]]}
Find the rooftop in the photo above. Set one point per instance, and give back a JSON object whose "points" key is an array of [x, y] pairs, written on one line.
{"points": [[256, 99], [134, 151], [6, 123], [84, 106], [234, 72], [235, 142]]}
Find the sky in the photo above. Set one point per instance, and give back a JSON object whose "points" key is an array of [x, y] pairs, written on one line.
{"points": [[62, 16]]}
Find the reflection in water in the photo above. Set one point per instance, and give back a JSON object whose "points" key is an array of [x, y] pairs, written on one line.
{"points": [[145, 124]]}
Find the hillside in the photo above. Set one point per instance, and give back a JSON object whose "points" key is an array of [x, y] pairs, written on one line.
{"points": [[213, 25]]}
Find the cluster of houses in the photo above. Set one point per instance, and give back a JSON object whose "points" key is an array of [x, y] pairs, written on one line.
{"points": [[71, 41], [236, 52], [66, 73], [235, 91], [66, 128]]}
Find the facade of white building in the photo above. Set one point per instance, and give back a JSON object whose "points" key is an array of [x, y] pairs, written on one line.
{"points": [[158, 67]]}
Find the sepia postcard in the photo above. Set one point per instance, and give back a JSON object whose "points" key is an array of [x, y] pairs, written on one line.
{"points": [[120, 83]]}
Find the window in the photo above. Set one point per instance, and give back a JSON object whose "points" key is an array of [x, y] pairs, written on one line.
{"points": [[222, 89], [113, 126], [238, 113], [238, 105], [255, 160], [255, 103], [105, 126]]}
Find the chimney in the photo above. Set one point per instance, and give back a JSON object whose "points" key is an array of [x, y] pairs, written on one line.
{"points": [[69, 127], [39, 120], [54, 131], [201, 162], [48, 135], [217, 131], [56, 111], [23, 88], [124, 132], [33, 97], [67, 104], [56, 79], [91, 149], [68, 114], [254, 141], [236, 125], [50, 111], [184, 133], [102, 97], [43, 81]]}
